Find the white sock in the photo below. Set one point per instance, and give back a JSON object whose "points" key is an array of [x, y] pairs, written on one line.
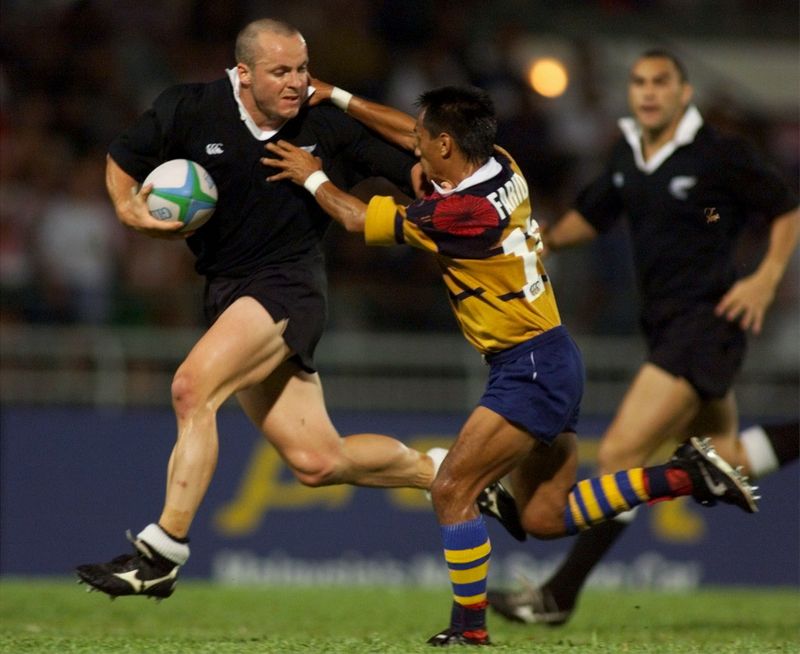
{"points": [[627, 516], [761, 457], [437, 455], [164, 544]]}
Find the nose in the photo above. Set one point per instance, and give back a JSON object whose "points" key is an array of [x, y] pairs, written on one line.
{"points": [[296, 78]]}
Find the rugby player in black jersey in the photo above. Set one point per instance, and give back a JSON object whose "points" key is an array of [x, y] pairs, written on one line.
{"points": [[265, 288], [688, 192], [476, 220]]}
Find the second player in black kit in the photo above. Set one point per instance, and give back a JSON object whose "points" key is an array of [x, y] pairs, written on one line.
{"points": [[688, 193], [686, 210]]}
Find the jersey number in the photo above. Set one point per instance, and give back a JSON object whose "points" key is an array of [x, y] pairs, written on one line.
{"points": [[516, 243]]}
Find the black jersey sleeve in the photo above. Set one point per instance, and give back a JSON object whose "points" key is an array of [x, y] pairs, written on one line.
{"points": [[146, 143], [600, 202], [757, 184]]}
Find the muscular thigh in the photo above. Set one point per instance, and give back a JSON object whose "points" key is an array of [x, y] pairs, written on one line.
{"points": [[541, 484], [241, 348], [289, 409], [657, 409]]}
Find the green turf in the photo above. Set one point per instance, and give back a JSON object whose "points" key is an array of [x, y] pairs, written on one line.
{"points": [[57, 616]]}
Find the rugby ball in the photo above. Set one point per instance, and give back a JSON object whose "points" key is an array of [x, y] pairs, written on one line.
{"points": [[182, 190]]}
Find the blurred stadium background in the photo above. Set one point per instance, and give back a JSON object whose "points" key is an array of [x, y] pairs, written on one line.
{"points": [[94, 319]]}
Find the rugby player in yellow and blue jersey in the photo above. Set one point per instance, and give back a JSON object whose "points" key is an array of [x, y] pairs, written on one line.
{"points": [[476, 220]]}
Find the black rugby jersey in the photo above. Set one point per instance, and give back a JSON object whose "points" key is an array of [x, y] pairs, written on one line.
{"points": [[256, 222], [686, 215]]}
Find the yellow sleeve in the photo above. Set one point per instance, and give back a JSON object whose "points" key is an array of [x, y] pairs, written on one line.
{"points": [[384, 222]]}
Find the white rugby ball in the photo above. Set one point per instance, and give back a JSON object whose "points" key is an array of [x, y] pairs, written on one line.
{"points": [[182, 190]]}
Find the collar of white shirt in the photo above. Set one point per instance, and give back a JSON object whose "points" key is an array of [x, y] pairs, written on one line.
{"points": [[688, 127], [255, 130], [486, 171]]}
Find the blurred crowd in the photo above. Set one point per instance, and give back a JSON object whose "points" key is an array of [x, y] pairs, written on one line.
{"points": [[75, 73]]}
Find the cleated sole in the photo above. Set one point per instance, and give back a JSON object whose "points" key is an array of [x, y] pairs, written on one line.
{"points": [[710, 455]]}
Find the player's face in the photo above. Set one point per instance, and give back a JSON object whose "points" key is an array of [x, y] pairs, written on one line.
{"points": [[277, 82], [426, 148], [657, 95]]}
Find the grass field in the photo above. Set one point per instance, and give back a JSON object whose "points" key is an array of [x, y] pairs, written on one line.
{"points": [[59, 617]]}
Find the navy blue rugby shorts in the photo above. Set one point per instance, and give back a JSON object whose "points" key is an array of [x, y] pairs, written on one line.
{"points": [[690, 341], [538, 385], [296, 291]]}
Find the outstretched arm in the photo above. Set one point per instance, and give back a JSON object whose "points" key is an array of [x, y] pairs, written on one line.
{"points": [[305, 170], [571, 229], [748, 299], [393, 125]]}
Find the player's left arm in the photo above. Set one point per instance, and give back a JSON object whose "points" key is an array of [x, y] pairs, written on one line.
{"points": [[304, 169], [749, 298], [392, 124]]}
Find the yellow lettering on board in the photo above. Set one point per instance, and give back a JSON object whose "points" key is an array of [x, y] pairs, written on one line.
{"points": [[262, 490], [677, 522]]}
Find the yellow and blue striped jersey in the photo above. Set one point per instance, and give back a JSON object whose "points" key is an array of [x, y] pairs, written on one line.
{"points": [[485, 241]]}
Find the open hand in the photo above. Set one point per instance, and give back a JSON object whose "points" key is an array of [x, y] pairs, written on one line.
{"points": [[294, 164]]}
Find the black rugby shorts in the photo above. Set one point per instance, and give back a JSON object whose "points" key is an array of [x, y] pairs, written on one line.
{"points": [[690, 341], [296, 291]]}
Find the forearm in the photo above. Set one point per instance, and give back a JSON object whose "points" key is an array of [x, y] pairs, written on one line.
{"points": [[345, 209], [571, 229], [302, 168], [783, 238], [121, 189], [393, 125]]}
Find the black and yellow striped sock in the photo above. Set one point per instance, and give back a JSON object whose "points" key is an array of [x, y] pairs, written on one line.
{"points": [[596, 500], [467, 551]]}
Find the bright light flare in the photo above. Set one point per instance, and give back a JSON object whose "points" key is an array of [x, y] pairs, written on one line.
{"points": [[548, 77]]}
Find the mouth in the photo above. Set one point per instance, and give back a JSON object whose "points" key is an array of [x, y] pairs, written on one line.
{"points": [[649, 110]]}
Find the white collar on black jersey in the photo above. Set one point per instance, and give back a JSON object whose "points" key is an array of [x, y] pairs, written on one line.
{"points": [[486, 171], [688, 127], [255, 130]]}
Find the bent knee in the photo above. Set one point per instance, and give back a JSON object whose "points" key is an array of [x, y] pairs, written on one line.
{"points": [[312, 468], [544, 522], [448, 495], [186, 393]]}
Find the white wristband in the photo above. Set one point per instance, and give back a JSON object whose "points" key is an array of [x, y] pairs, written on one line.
{"points": [[314, 181], [341, 98]]}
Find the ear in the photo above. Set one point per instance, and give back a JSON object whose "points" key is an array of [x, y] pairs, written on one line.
{"points": [[687, 93], [446, 145], [244, 74]]}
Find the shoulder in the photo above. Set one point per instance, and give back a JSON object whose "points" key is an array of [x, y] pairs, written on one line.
{"points": [[330, 116], [194, 95], [722, 144]]}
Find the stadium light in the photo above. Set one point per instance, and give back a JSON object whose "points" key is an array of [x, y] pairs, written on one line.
{"points": [[548, 77]]}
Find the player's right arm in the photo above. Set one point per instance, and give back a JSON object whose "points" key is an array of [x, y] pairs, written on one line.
{"points": [[130, 204], [299, 167], [572, 229]]}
